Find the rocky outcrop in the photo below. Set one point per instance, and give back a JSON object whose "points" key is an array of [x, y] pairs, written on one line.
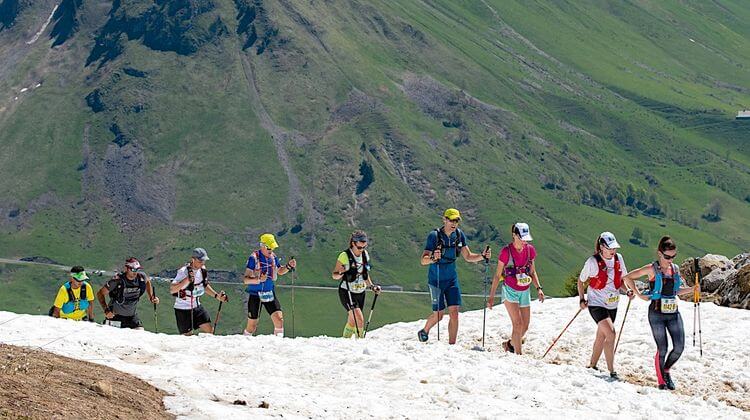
{"points": [[181, 26], [729, 281]]}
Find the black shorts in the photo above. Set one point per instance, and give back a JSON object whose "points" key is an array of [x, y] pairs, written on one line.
{"points": [[254, 303], [126, 321], [358, 299], [599, 313], [187, 322]]}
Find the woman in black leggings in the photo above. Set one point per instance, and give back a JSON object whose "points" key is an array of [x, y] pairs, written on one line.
{"points": [[663, 315]]}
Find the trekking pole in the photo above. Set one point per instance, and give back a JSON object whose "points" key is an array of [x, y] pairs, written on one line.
{"points": [[294, 278], [369, 318], [563, 332], [617, 343], [156, 318], [218, 313], [437, 289], [697, 304], [351, 308], [484, 311]]}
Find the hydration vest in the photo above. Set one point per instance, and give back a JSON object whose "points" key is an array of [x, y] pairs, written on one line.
{"points": [[259, 267], [600, 281], [117, 294], [183, 293], [457, 244], [351, 274], [664, 286], [510, 269], [74, 304]]}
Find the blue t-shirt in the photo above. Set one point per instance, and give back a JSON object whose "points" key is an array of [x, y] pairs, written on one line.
{"points": [[451, 251], [266, 266]]}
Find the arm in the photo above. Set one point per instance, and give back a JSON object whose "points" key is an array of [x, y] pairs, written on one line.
{"points": [[252, 277], [90, 310], [179, 285], [496, 279], [288, 267], [56, 312], [581, 293], [100, 296], [338, 271], [535, 280], [216, 295], [427, 257], [150, 290], [629, 279]]}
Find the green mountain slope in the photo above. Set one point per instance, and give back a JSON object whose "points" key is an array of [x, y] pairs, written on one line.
{"points": [[160, 126]]}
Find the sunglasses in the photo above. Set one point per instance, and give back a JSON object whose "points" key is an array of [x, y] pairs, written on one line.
{"points": [[455, 220], [668, 257], [360, 247]]}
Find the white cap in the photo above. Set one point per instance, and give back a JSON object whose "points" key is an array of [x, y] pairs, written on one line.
{"points": [[523, 231], [609, 240]]}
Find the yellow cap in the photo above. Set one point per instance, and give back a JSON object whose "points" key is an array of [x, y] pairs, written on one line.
{"points": [[452, 214], [269, 241]]}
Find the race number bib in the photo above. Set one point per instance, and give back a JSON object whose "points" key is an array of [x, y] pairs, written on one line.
{"points": [[613, 298], [266, 296], [668, 305], [116, 324], [523, 280], [358, 287]]}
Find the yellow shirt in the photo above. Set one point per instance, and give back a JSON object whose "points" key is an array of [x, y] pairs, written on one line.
{"points": [[62, 298]]}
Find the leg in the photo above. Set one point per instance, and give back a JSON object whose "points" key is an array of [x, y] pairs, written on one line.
{"points": [[677, 333], [433, 319], [438, 307], [598, 347], [514, 312], [452, 324], [277, 318], [659, 331], [251, 326], [253, 313], [607, 328], [206, 327]]}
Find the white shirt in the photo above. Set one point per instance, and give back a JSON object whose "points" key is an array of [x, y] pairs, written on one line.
{"points": [[609, 296], [198, 290]]}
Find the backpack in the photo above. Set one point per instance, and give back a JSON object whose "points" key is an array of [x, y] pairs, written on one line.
{"points": [[351, 274], [181, 294], [72, 299], [116, 294], [458, 244]]}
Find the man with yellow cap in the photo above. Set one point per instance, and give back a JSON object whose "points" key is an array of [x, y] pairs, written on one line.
{"points": [[442, 249], [262, 270]]}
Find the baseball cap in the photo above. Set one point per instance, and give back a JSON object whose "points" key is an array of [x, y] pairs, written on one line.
{"points": [[452, 214], [200, 254], [269, 241], [523, 231], [78, 273], [132, 263], [609, 240]]}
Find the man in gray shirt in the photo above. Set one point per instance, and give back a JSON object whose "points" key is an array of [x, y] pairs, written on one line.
{"points": [[124, 290]]}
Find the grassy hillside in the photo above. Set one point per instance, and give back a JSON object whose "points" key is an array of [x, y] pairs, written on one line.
{"points": [[208, 123]]}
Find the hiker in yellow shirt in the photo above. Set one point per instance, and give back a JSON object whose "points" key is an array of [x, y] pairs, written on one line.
{"points": [[75, 297]]}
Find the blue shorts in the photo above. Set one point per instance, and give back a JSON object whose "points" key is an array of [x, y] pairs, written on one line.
{"points": [[448, 294], [523, 299]]}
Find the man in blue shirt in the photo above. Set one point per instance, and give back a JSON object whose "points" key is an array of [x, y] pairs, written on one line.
{"points": [[441, 251], [262, 270]]}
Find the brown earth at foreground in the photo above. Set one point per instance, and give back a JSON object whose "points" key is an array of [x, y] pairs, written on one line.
{"points": [[37, 384]]}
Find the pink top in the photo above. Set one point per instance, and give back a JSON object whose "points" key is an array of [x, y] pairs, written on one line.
{"points": [[526, 256]]}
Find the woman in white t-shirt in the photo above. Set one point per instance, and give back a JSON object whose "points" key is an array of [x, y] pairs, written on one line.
{"points": [[601, 277], [353, 271]]}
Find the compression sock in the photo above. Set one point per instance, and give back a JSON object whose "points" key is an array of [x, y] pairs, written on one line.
{"points": [[348, 331]]}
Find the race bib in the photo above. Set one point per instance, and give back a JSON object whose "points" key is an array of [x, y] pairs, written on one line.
{"points": [[668, 305], [116, 324], [523, 280], [266, 296], [613, 298], [358, 287]]}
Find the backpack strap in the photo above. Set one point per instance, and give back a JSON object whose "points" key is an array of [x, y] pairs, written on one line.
{"points": [[71, 297]]}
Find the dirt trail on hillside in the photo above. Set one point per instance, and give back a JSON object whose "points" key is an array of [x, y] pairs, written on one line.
{"points": [[36, 384]]}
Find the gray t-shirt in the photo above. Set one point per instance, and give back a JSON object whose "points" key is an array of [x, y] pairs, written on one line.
{"points": [[128, 304], [609, 296]]}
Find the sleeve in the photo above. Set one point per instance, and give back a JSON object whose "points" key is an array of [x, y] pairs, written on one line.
{"points": [[110, 284], [503, 255], [463, 238], [590, 269], [251, 262], [278, 261], [431, 242], [532, 252], [89, 292], [344, 260], [61, 298], [180, 276]]}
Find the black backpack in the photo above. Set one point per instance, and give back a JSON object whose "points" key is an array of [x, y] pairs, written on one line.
{"points": [[117, 293], [350, 275]]}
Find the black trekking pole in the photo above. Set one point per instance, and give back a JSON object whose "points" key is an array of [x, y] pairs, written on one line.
{"points": [[294, 278], [484, 310], [697, 304], [351, 307], [218, 313], [369, 318], [156, 318], [437, 288]]}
